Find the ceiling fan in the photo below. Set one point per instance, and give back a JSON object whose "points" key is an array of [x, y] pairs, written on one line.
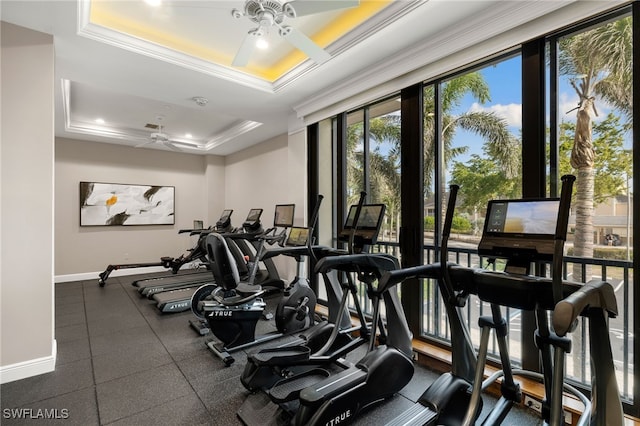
{"points": [[272, 13], [159, 137]]}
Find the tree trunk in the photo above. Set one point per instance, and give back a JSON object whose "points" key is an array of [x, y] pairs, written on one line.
{"points": [[582, 159], [583, 208]]}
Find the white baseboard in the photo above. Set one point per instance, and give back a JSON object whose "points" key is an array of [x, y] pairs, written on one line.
{"points": [[117, 273], [33, 367]]}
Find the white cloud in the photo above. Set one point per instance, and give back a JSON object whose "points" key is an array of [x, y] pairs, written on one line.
{"points": [[512, 113]]}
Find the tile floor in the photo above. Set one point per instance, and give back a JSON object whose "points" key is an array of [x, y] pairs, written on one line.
{"points": [[121, 362]]}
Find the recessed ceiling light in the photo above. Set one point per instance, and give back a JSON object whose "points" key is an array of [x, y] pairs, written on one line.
{"points": [[99, 121], [153, 3], [200, 100], [188, 135]]}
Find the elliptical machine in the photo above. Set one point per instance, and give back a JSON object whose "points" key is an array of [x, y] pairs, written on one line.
{"points": [[448, 398], [314, 389], [455, 398], [302, 360], [233, 307], [196, 253]]}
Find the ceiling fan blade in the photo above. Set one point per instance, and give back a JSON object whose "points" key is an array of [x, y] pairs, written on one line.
{"points": [[171, 146], [143, 144], [305, 44], [244, 53], [308, 7]]}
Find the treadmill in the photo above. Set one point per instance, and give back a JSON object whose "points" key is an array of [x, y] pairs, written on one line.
{"points": [[175, 264]]}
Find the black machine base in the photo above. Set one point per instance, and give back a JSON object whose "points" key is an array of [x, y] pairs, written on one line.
{"points": [[200, 326]]}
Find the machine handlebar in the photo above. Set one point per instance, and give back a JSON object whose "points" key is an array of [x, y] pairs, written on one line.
{"points": [[561, 235], [390, 278], [593, 295]]}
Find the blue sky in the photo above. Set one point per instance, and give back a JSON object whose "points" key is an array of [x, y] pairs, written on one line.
{"points": [[504, 81]]}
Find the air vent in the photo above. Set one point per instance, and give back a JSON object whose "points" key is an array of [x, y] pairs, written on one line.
{"points": [[151, 126]]}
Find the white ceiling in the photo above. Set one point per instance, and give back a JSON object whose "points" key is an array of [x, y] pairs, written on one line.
{"points": [[130, 82]]}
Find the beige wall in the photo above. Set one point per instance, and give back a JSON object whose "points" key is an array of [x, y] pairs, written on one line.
{"points": [[297, 175], [273, 172], [27, 344], [215, 188], [257, 178], [91, 249]]}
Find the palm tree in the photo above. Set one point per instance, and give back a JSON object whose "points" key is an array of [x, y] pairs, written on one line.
{"points": [[499, 142], [599, 62], [384, 167]]}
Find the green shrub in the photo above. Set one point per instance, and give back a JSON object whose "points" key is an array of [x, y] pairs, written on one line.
{"points": [[459, 224], [429, 223], [613, 253]]}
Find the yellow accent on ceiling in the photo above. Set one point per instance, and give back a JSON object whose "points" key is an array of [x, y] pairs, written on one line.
{"points": [[341, 25], [344, 23]]}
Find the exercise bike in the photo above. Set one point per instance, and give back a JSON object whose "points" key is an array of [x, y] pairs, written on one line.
{"points": [[233, 307], [147, 287], [175, 295], [197, 253]]}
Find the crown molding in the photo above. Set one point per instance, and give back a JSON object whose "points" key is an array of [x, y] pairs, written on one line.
{"points": [[386, 17], [231, 133], [379, 21], [153, 50], [500, 18], [84, 128]]}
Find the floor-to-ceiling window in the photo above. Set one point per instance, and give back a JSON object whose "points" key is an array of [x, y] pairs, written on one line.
{"points": [[591, 120], [472, 126], [509, 127], [373, 160]]}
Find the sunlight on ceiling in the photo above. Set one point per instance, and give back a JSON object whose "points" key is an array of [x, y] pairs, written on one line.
{"points": [[206, 30]]}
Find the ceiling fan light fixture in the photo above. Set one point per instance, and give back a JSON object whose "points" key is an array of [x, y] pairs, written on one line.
{"points": [[269, 14], [262, 43]]}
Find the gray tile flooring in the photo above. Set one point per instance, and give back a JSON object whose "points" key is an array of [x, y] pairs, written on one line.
{"points": [[121, 362]]}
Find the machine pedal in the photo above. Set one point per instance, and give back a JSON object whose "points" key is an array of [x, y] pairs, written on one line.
{"points": [[289, 389], [416, 415], [278, 356]]}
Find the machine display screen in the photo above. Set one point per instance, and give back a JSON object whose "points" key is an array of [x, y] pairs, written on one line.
{"points": [[283, 216], [520, 229], [298, 236], [254, 215], [224, 217], [370, 216], [368, 225], [522, 217]]}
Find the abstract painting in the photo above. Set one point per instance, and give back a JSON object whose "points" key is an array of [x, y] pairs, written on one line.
{"points": [[112, 204]]}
